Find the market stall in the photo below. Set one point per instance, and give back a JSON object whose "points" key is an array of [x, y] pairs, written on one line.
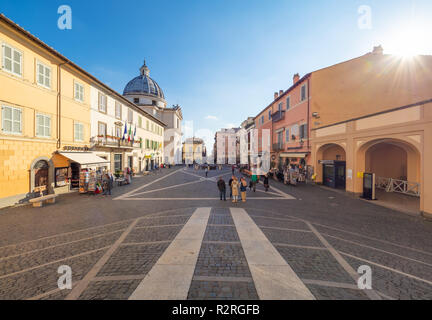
{"points": [[84, 171]]}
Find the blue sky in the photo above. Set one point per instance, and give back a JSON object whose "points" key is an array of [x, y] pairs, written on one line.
{"points": [[221, 60]]}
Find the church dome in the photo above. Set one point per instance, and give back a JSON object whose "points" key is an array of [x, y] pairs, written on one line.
{"points": [[143, 84]]}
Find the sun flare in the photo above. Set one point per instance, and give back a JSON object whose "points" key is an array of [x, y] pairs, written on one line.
{"points": [[408, 42]]}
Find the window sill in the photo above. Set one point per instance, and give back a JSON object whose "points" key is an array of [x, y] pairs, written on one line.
{"points": [[17, 134]]}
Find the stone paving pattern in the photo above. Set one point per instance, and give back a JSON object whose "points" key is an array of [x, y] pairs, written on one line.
{"points": [[78, 230]]}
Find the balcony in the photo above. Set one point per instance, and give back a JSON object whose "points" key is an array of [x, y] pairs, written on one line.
{"points": [[114, 142], [278, 116], [278, 147]]}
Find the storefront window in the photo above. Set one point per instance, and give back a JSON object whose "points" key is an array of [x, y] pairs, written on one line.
{"points": [[61, 177]]}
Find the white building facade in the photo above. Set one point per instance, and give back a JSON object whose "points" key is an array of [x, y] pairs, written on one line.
{"points": [[123, 134]]}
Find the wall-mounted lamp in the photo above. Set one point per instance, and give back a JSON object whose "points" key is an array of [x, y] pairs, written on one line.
{"points": [[316, 115]]}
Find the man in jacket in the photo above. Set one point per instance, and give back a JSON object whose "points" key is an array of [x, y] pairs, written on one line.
{"points": [[222, 188]]}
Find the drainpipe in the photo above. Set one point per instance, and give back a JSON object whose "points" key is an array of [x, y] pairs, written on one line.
{"points": [[59, 104]]}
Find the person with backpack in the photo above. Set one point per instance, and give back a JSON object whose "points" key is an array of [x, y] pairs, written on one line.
{"points": [[243, 189]]}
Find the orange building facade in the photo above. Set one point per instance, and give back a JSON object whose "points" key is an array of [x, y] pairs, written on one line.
{"points": [[371, 114], [374, 114]]}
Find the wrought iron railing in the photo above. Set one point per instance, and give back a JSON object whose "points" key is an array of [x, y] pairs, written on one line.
{"points": [[278, 116], [109, 141], [399, 186]]}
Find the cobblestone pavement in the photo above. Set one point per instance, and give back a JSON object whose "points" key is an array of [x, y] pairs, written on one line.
{"points": [[112, 243]]}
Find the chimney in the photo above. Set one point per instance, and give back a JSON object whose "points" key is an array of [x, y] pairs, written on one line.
{"points": [[296, 78], [280, 92], [276, 95], [378, 50]]}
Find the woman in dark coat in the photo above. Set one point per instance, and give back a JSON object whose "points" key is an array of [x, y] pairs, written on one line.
{"points": [[266, 182]]}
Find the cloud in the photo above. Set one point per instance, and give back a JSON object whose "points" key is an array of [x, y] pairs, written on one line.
{"points": [[209, 117]]}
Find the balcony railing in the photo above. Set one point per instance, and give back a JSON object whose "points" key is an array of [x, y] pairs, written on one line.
{"points": [[278, 116], [110, 141], [278, 147]]}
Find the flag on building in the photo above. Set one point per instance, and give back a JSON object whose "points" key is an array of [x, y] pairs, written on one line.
{"points": [[134, 135], [130, 133], [125, 132]]}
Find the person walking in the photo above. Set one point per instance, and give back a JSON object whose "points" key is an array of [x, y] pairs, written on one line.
{"points": [[243, 189], [222, 188], [230, 185], [233, 170], [206, 171], [111, 181], [266, 182], [235, 189], [254, 180]]}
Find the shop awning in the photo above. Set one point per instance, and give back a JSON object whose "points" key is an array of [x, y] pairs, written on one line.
{"points": [[85, 159], [293, 155]]}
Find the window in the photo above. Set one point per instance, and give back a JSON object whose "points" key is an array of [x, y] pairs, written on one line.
{"points": [[43, 75], [11, 120], [102, 103], [262, 120], [78, 131], [294, 131], [118, 110], [280, 107], [130, 115], [147, 144], [269, 114], [136, 100], [152, 127], [43, 126], [288, 103], [147, 125], [139, 122], [303, 131], [303, 93], [79, 92], [61, 176], [280, 138], [287, 135], [102, 129], [12, 60], [118, 132]]}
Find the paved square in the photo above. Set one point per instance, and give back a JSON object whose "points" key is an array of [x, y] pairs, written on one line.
{"points": [[159, 226]]}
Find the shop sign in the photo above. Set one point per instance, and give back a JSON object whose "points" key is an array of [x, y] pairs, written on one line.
{"points": [[75, 148]]}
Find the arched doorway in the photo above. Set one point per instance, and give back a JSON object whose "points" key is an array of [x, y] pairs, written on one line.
{"points": [[330, 165], [41, 173], [396, 164]]}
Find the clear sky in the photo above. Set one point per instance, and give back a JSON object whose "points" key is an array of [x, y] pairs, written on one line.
{"points": [[222, 60]]}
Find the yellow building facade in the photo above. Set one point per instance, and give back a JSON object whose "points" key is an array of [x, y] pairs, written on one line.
{"points": [[374, 113], [45, 104]]}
